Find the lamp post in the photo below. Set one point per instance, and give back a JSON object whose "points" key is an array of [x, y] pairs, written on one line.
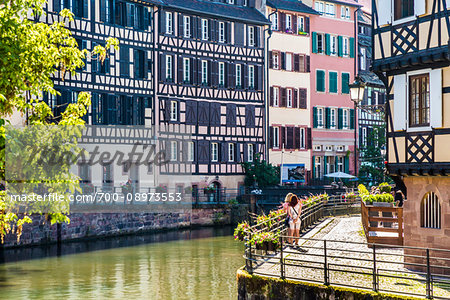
{"points": [[356, 94]]}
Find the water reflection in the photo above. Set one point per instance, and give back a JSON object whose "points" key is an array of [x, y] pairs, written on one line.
{"points": [[190, 264]]}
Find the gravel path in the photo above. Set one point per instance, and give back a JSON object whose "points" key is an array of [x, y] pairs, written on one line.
{"points": [[352, 257]]}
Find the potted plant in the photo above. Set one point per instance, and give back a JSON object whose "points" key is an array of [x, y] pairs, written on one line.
{"points": [[161, 189], [210, 189], [267, 241], [127, 188], [239, 231], [88, 188], [385, 187]]}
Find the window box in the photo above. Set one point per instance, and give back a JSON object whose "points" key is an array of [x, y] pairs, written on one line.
{"points": [[302, 32]]}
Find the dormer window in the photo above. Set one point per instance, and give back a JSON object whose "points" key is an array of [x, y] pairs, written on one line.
{"points": [[403, 9]]}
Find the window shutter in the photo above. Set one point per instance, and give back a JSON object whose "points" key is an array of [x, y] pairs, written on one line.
{"points": [[245, 152], [283, 60], [203, 151], [250, 116], [257, 36], [214, 111], [296, 62], [194, 70], [216, 28], [313, 166], [270, 59], [315, 117], [282, 138], [308, 138], [210, 74], [57, 6], [295, 98], [112, 110], [231, 114], [224, 152], [282, 97], [325, 161], [320, 81], [244, 71], [297, 138], [340, 118], [228, 32], [283, 22], [259, 80], [238, 152], [199, 28], [352, 119], [215, 74], [308, 63], [435, 98], [352, 43], [346, 168], [180, 70], [203, 113], [294, 24], [360, 137], [271, 137], [289, 137], [271, 96], [327, 44], [162, 67], [162, 21], [345, 83], [136, 63], [328, 117], [314, 42], [231, 75], [145, 22], [340, 46], [307, 24], [303, 98], [195, 22], [191, 112], [180, 25], [85, 9]]}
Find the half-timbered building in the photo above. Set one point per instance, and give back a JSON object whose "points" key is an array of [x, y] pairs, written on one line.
{"points": [[211, 83], [289, 84], [121, 87], [412, 58]]}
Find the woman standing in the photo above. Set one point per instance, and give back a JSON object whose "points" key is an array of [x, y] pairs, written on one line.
{"points": [[295, 211], [285, 205]]}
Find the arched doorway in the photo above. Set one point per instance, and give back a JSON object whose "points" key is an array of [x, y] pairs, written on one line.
{"points": [[216, 196]]}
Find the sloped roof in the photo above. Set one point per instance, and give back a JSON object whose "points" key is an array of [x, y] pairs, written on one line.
{"points": [[216, 9], [292, 5], [346, 2], [370, 78]]}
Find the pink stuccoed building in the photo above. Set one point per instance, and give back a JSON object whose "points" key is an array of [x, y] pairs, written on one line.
{"points": [[333, 40]]}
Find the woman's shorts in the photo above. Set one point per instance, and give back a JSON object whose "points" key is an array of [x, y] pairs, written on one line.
{"points": [[293, 225]]}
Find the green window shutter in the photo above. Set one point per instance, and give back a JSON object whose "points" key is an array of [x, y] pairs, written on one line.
{"points": [[352, 47], [333, 82], [346, 164], [336, 164], [345, 83], [313, 167], [320, 81], [325, 165], [327, 44], [340, 118], [327, 117], [314, 42], [340, 46], [352, 119], [315, 117]]}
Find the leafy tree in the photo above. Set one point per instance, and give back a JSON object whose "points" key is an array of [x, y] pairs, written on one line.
{"points": [[261, 172], [31, 54]]}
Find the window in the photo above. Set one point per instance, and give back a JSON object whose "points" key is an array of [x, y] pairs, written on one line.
{"points": [[204, 72], [362, 59], [320, 43], [186, 70], [419, 100], [333, 44], [330, 10], [214, 152], [173, 110], [361, 29], [238, 76], [204, 29], [187, 26], [251, 36], [190, 149], [331, 164], [345, 82], [364, 137], [169, 22], [300, 24], [403, 8], [139, 64], [318, 166], [345, 118], [289, 23], [230, 152], [289, 97], [276, 137], [333, 82], [276, 96], [340, 164], [250, 152], [221, 74], [346, 47], [106, 13], [169, 67], [276, 60], [173, 150], [221, 32], [333, 118], [320, 117], [230, 1], [302, 138], [288, 61], [430, 211], [274, 20], [124, 53], [319, 7], [251, 77], [345, 12], [320, 81]]}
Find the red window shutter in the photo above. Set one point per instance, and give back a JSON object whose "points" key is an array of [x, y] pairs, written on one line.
{"points": [[271, 137], [297, 138], [308, 138], [271, 96], [270, 59], [296, 62], [283, 97], [295, 96]]}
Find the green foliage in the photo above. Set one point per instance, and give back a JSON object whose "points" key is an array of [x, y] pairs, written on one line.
{"points": [[31, 54], [240, 230], [384, 187], [370, 198], [261, 172]]}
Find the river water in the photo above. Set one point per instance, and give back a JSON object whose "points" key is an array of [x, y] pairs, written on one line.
{"points": [[188, 264]]}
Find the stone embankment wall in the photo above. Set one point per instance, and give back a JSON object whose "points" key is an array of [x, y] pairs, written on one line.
{"points": [[264, 288], [94, 225]]}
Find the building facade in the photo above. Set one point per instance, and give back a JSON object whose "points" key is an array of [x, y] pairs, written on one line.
{"points": [[411, 56], [333, 67], [289, 67]]}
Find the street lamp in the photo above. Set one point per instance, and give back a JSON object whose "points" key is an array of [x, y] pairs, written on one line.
{"points": [[356, 94]]}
